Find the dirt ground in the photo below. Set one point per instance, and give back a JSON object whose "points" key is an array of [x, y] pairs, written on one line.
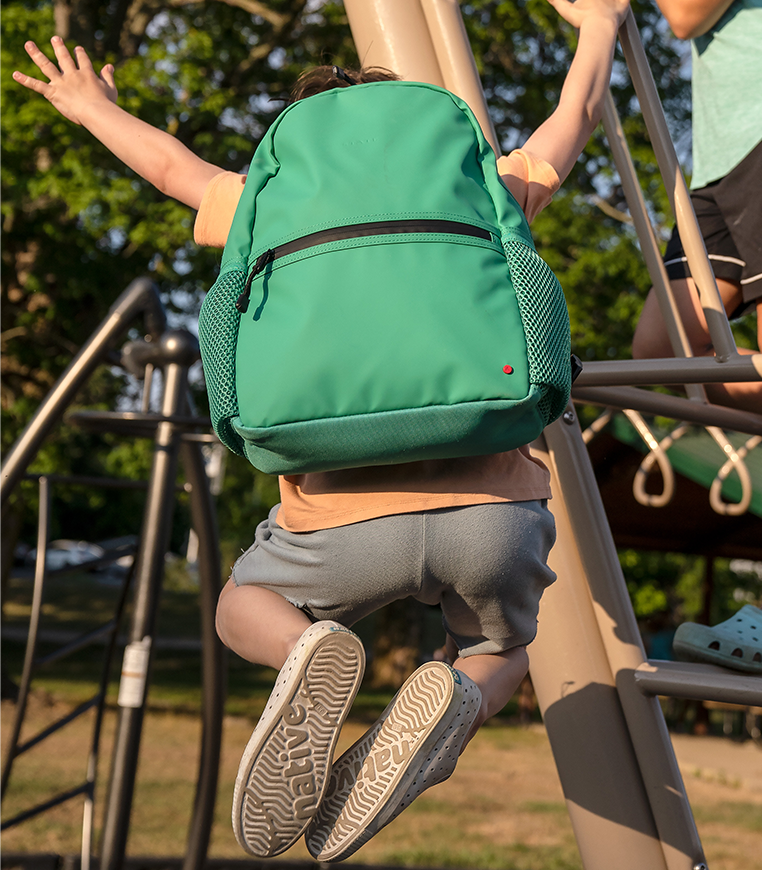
{"points": [[503, 808]]}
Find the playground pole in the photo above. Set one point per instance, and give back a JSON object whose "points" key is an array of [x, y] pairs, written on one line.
{"points": [[180, 350]]}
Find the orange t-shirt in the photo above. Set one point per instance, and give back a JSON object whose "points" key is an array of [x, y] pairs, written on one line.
{"points": [[329, 499]]}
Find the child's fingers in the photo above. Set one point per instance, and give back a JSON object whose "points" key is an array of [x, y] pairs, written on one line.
{"points": [[107, 75], [567, 11], [65, 60], [29, 82], [45, 65], [83, 59]]}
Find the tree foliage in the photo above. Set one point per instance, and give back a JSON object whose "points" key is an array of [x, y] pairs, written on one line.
{"points": [[78, 225]]}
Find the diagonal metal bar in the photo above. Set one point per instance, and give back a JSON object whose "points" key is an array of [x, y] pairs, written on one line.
{"points": [[647, 238], [48, 805], [58, 724], [43, 535], [76, 644]]}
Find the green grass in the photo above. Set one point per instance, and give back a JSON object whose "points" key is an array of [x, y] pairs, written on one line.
{"points": [[81, 602], [737, 815], [474, 852], [544, 807]]}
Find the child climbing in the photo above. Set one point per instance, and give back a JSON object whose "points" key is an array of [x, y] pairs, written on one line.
{"points": [[727, 164], [471, 534]]}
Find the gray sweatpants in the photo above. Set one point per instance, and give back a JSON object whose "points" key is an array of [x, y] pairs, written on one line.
{"points": [[485, 565]]}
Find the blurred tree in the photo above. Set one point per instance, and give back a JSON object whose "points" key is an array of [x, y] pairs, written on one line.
{"points": [[78, 225]]}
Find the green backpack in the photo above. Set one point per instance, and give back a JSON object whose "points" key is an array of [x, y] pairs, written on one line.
{"points": [[380, 299]]}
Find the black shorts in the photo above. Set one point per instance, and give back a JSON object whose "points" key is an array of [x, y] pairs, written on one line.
{"points": [[729, 213]]}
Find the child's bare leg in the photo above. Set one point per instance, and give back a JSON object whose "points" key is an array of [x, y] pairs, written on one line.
{"points": [[258, 624], [285, 766], [651, 339], [498, 676]]}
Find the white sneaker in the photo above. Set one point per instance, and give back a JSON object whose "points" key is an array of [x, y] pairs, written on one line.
{"points": [[414, 744], [284, 770]]}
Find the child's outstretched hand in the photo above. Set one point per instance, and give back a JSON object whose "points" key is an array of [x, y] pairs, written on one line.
{"points": [[576, 11], [73, 87]]}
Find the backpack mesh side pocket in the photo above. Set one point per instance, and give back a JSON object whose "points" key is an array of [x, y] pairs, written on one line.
{"points": [[217, 334], [546, 326]]}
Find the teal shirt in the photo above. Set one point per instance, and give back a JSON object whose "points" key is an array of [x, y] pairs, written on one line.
{"points": [[727, 92]]}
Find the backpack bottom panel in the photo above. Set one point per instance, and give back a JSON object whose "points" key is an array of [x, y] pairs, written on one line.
{"points": [[393, 437]]}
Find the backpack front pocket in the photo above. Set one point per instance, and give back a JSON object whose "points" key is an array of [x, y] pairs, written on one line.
{"points": [[364, 326]]}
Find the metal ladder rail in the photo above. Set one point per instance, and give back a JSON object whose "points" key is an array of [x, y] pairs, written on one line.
{"points": [[141, 296], [186, 448], [33, 663], [653, 678], [698, 682], [728, 364], [684, 680], [174, 353], [677, 190]]}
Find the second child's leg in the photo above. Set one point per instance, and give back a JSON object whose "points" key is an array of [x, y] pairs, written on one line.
{"points": [[651, 339]]}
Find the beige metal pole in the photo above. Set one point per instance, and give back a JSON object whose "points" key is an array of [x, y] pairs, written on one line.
{"points": [[647, 238], [605, 794], [675, 407], [575, 485], [394, 34], [697, 370], [456, 60]]}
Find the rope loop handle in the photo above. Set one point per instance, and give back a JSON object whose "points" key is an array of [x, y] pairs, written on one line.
{"points": [[735, 462], [657, 455]]}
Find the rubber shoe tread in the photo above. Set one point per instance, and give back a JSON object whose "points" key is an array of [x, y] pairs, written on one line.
{"points": [[284, 769], [369, 784]]}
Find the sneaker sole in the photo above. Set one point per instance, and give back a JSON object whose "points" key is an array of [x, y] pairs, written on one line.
{"points": [[368, 781], [284, 770]]}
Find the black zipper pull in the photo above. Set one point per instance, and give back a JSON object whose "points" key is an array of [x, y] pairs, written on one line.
{"points": [[242, 303]]}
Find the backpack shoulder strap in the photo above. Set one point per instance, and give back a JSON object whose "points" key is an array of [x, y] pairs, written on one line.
{"points": [[262, 168]]}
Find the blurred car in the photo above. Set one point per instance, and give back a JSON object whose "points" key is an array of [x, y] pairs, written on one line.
{"points": [[64, 553]]}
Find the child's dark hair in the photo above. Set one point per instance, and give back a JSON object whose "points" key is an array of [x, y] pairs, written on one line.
{"points": [[325, 78]]}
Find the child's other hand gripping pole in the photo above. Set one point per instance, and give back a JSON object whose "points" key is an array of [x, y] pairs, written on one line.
{"points": [[89, 99], [562, 138]]}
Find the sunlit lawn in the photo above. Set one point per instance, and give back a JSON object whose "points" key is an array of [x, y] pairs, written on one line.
{"points": [[502, 809]]}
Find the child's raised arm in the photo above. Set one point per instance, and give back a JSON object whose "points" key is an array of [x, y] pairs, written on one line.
{"points": [[89, 99], [690, 18], [561, 139]]}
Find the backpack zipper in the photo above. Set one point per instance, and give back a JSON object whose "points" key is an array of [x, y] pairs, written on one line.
{"points": [[354, 231]]}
